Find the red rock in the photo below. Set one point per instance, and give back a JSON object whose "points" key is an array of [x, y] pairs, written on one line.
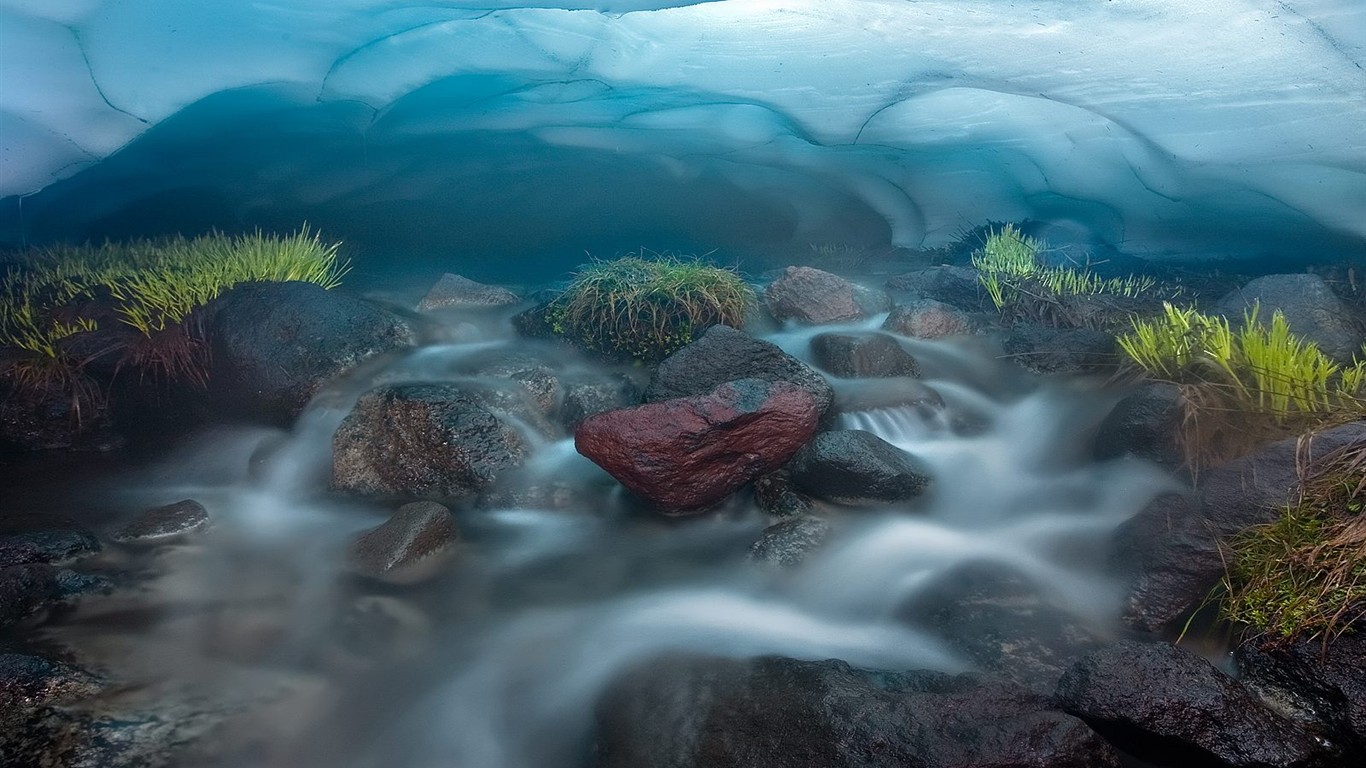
{"points": [[686, 454], [812, 296]]}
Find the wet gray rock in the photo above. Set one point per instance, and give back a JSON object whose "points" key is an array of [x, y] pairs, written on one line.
{"points": [[1160, 702], [459, 291], [1061, 350], [536, 376], [408, 546], [930, 319], [56, 545], [1145, 423], [33, 732], [813, 296], [164, 523], [1319, 684], [430, 441], [957, 287], [274, 345], [1002, 622], [771, 712], [777, 497], [1170, 550], [724, 354], [850, 355], [1311, 310], [855, 467], [26, 588], [585, 398], [789, 542]]}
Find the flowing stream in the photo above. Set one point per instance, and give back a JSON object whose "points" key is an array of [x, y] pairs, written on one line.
{"points": [[497, 662]]}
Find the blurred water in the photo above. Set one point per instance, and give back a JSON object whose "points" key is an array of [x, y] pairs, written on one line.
{"points": [[498, 661]]}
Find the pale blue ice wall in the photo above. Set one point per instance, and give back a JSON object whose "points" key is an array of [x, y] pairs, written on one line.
{"points": [[1157, 124]]}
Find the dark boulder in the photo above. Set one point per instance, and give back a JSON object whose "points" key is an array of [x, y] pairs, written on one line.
{"points": [[585, 397], [852, 466], [459, 291], [1320, 684], [1145, 423], [53, 409], [1170, 549], [422, 440], [811, 295], [536, 375], [34, 731], [408, 546], [1060, 350], [26, 588], [1162, 703], [958, 287], [1311, 310], [1003, 622], [850, 355], [33, 539], [689, 453], [165, 523], [789, 542], [771, 712], [272, 346], [930, 319], [776, 496], [725, 354]]}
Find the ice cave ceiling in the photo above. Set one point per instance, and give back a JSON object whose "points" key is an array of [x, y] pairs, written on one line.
{"points": [[1162, 126]]}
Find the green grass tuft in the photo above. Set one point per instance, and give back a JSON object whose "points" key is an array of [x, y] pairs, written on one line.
{"points": [[1305, 573], [1020, 284], [645, 309]]}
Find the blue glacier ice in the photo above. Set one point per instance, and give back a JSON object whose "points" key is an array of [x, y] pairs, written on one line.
{"points": [[1159, 126]]}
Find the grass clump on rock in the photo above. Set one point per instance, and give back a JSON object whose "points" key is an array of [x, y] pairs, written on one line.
{"points": [[150, 286], [1242, 384], [645, 309], [1022, 286], [1304, 575]]}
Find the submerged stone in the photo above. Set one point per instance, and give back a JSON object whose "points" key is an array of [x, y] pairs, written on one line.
{"points": [[459, 291], [856, 467], [163, 523], [408, 546]]}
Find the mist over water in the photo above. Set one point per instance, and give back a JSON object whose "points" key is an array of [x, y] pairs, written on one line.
{"points": [[499, 660]]}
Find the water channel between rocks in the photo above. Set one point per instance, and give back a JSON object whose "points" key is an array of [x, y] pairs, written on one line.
{"points": [[498, 661]]}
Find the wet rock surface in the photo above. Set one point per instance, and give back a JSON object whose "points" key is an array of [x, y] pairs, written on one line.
{"points": [[35, 539], [422, 440], [789, 542], [1145, 423], [725, 354], [777, 497], [930, 319], [406, 546], [1061, 350], [1170, 550], [688, 453], [772, 712], [1319, 684], [163, 523], [584, 398], [854, 467], [460, 291], [1002, 622], [851, 355], [26, 588], [813, 296], [958, 287], [1160, 702], [273, 345]]}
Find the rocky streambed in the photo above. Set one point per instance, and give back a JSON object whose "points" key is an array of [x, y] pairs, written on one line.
{"points": [[871, 528]]}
